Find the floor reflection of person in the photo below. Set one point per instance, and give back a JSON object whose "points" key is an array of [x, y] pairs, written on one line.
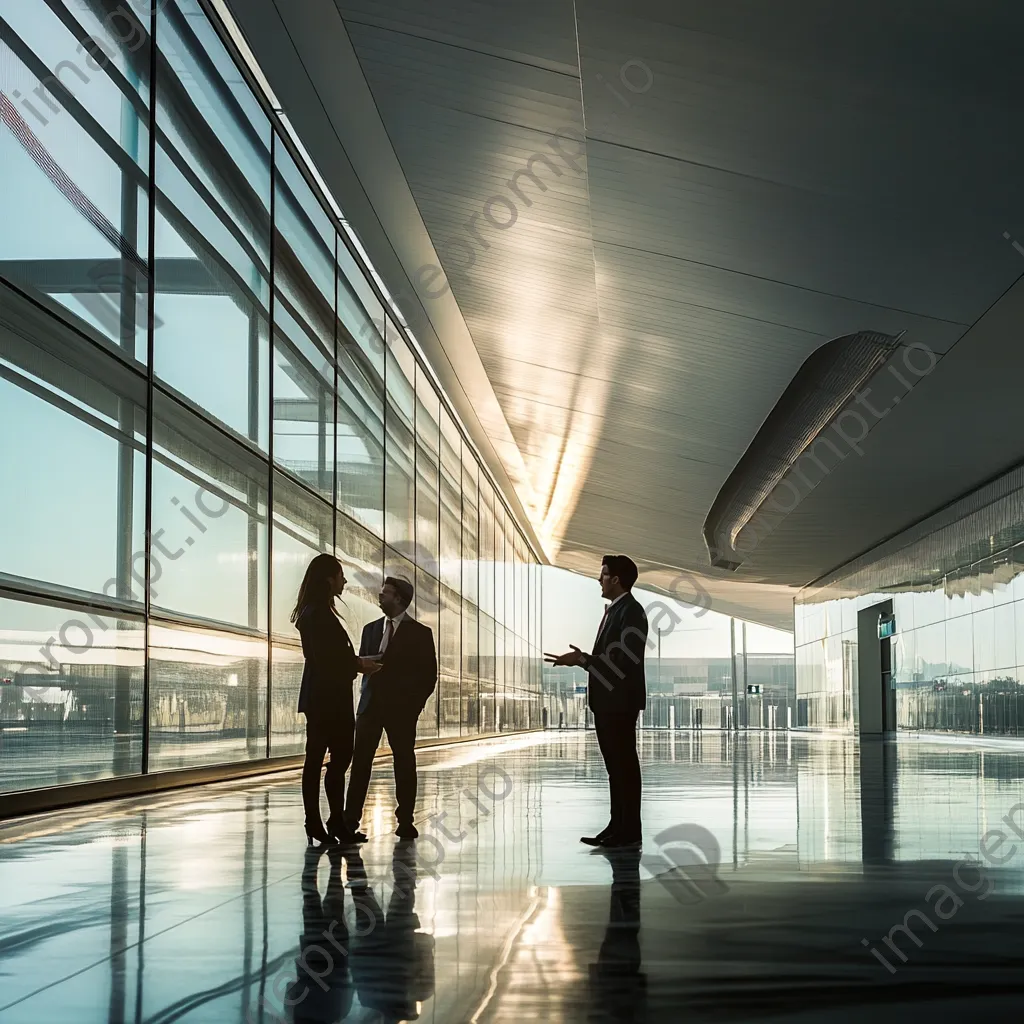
{"points": [[392, 960], [618, 987], [322, 990]]}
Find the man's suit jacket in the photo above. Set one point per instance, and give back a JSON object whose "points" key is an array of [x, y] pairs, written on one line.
{"points": [[409, 674], [615, 669]]}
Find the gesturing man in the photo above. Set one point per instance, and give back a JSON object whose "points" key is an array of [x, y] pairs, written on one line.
{"points": [[391, 701], [616, 694]]}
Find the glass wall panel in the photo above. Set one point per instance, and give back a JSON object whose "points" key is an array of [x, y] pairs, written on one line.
{"points": [[360, 429], [470, 558], [427, 476], [210, 508], [451, 503], [360, 310], [400, 446], [428, 611], [70, 694], [499, 563], [287, 726], [958, 616], [303, 528], [486, 695], [207, 700], [271, 441], [212, 243], [304, 328], [361, 554], [486, 547], [449, 663], [75, 158], [470, 714], [79, 417]]}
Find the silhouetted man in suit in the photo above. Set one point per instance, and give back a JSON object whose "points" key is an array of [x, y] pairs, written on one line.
{"points": [[616, 694], [391, 701]]}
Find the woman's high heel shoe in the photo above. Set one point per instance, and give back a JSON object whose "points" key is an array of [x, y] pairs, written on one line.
{"points": [[318, 834]]}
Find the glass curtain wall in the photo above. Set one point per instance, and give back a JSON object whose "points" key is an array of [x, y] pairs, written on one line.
{"points": [[956, 588], [200, 389]]}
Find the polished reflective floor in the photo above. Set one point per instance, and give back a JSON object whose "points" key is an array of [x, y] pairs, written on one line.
{"points": [[783, 876]]}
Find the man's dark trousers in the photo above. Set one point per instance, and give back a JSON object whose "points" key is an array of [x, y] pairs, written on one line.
{"points": [[400, 726], [616, 736]]}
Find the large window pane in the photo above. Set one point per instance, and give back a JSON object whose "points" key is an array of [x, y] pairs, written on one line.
{"points": [[486, 547], [470, 668], [287, 726], [451, 503], [361, 555], [303, 528], [208, 694], [486, 692], [75, 157], [75, 479], [304, 330], [210, 501], [400, 446], [70, 695], [449, 641], [212, 228], [429, 613], [359, 310], [427, 476], [360, 446], [499, 563]]}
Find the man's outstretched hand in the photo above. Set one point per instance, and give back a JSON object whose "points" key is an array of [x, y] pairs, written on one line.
{"points": [[573, 658]]}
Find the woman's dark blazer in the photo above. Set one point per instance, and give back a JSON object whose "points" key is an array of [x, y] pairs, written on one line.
{"points": [[330, 664]]}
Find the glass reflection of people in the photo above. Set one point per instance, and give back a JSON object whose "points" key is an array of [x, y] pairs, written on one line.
{"points": [[325, 696], [618, 987], [322, 991], [392, 960]]}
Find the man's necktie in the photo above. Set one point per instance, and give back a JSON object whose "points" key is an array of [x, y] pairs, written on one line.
{"points": [[389, 632]]}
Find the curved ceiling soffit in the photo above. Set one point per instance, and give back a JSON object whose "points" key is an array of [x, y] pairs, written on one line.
{"points": [[771, 478]]}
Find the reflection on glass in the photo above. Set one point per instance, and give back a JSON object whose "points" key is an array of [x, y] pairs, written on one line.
{"points": [[79, 420], [207, 699], [70, 695], [303, 528], [212, 241], [304, 329], [449, 656], [210, 511], [428, 612], [958, 618], [75, 154], [355, 464], [400, 446], [360, 405]]}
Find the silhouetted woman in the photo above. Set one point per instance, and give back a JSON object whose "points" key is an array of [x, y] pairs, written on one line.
{"points": [[325, 697]]}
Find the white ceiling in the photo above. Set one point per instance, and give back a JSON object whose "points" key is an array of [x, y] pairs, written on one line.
{"points": [[780, 175]]}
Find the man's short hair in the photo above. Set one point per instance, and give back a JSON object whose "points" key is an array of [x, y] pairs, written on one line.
{"points": [[622, 566], [403, 588]]}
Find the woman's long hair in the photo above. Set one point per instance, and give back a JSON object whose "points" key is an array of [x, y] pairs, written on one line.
{"points": [[315, 589]]}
